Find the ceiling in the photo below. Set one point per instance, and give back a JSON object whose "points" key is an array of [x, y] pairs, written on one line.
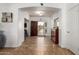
{"points": [[46, 11]]}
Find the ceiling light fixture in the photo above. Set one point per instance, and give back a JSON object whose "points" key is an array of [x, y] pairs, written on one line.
{"points": [[40, 13]]}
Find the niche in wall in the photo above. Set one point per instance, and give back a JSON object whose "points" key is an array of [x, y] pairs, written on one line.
{"points": [[45, 24], [26, 27], [7, 17], [45, 31], [25, 23], [45, 27]]}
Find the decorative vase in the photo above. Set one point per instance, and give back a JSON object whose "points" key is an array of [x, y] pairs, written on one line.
{"points": [[2, 39]]}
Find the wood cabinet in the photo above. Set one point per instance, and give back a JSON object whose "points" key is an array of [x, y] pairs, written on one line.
{"points": [[55, 35]]}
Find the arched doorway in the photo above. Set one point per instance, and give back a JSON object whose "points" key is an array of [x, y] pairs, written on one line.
{"points": [[36, 12]]}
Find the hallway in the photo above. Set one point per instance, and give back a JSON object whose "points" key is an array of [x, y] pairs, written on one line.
{"points": [[36, 46]]}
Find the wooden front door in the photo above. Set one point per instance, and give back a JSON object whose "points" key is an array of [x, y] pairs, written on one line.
{"points": [[34, 28]]}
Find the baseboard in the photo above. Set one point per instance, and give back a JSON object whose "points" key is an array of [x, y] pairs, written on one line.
{"points": [[67, 49]]}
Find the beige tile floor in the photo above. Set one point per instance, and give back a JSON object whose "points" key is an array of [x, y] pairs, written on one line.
{"points": [[36, 46]]}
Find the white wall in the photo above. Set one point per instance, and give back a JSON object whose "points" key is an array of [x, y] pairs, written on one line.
{"points": [[54, 16], [72, 27], [62, 27], [22, 15], [8, 28]]}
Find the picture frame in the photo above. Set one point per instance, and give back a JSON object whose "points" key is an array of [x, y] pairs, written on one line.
{"points": [[7, 17]]}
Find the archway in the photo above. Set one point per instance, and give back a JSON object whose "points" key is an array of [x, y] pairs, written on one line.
{"points": [[27, 10]]}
